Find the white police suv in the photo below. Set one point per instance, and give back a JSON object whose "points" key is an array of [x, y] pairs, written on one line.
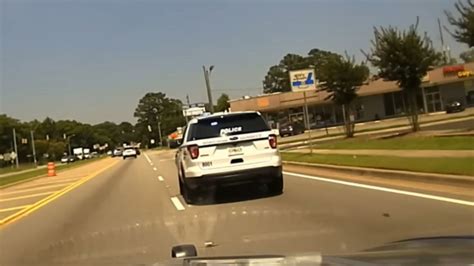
{"points": [[227, 149]]}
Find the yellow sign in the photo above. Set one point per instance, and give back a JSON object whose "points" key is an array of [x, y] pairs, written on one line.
{"points": [[465, 74]]}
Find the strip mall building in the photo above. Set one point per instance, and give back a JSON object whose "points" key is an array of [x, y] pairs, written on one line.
{"points": [[377, 99]]}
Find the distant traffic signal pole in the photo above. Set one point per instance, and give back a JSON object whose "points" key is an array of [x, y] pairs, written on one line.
{"points": [[208, 87]]}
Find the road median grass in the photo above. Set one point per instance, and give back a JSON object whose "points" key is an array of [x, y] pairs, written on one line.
{"points": [[402, 143], [42, 172], [457, 166]]}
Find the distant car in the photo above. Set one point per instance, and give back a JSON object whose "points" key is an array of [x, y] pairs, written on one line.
{"points": [[228, 149], [65, 159], [129, 152], [109, 153], [94, 154], [291, 129], [454, 107], [71, 158], [117, 152]]}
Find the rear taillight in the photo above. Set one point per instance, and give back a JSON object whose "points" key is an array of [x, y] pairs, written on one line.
{"points": [[272, 140], [193, 151]]}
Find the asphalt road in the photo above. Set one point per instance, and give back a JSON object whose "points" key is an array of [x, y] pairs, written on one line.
{"points": [[132, 214]]}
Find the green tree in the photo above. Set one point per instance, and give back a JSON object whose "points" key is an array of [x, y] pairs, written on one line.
{"points": [[467, 56], [404, 57], [222, 103], [277, 78], [464, 24], [155, 108], [341, 78]]}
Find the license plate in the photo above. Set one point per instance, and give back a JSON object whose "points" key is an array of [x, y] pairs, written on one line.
{"points": [[235, 151]]}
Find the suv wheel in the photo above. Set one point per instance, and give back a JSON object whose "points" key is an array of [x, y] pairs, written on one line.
{"points": [[189, 194], [276, 186], [180, 186]]}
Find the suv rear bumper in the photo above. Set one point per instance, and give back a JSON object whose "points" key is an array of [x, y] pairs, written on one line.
{"points": [[256, 175]]}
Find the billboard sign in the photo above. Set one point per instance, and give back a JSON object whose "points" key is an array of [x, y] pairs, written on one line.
{"points": [[302, 80]]}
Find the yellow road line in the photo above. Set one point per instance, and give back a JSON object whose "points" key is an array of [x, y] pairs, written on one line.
{"points": [[24, 212], [32, 189], [28, 196], [14, 208]]}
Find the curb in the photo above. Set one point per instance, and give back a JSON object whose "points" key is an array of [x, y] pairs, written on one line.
{"points": [[391, 174]]}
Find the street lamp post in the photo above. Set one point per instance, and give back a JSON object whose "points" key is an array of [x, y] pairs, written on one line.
{"points": [[208, 86]]}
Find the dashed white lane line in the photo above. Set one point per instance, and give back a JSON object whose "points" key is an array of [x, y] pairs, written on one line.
{"points": [[147, 158], [177, 203], [160, 178], [154, 169], [390, 190]]}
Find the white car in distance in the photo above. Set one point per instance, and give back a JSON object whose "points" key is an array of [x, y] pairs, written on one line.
{"points": [[129, 152], [228, 149]]}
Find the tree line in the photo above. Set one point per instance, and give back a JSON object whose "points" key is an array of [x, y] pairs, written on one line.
{"points": [[400, 55], [155, 112]]}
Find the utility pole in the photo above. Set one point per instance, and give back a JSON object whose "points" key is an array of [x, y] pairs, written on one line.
{"points": [[159, 132], [187, 101], [33, 147], [307, 122], [445, 57], [16, 149], [208, 87]]}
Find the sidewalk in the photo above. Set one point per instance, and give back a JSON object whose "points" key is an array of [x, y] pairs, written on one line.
{"points": [[321, 136], [397, 153], [386, 125]]}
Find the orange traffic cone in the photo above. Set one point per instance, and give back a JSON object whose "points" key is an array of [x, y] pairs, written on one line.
{"points": [[51, 169]]}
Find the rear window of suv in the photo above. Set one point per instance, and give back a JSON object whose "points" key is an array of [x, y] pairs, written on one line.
{"points": [[230, 124]]}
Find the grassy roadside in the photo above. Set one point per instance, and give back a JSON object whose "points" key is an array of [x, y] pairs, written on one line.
{"points": [[26, 166], [459, 166], [42, 172], [282, 141], [402, 143]]}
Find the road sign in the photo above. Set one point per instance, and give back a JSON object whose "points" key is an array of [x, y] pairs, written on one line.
{"points": [[194, 111], [302, 80]]}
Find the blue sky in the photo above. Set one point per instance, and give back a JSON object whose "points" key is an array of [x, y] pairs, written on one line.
{"points": [[93, 60]]}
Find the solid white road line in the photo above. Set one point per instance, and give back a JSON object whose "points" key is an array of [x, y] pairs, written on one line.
{"points": [[160, 178], [147, 158], [391, 190], [177, 204]]}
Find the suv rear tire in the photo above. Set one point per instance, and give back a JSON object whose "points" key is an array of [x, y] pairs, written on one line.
{"points": [[276, 186]]}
